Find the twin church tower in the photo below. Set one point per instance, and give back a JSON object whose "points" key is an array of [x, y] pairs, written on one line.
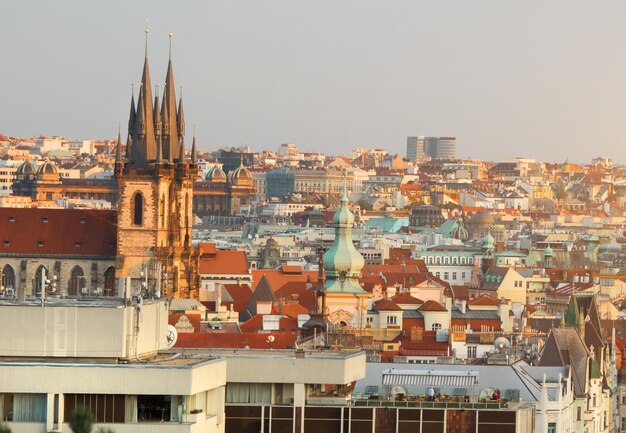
{"points": [[155, 192]]}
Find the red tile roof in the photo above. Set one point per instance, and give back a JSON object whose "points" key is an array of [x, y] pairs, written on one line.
{"points": [[223, 262], [72, 232], [293, 310], [431, 305], [484, 300], [277, 279], [406, 298], [252, 340], [237, 296], [386, 305], [291, 269]]}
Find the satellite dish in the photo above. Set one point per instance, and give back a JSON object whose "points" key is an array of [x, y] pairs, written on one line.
{"points": [[172, 336], [486, 393], [397, 390]]}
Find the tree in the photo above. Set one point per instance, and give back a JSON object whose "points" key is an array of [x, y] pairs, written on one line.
{"points": [[4, 428], [81, 420]]}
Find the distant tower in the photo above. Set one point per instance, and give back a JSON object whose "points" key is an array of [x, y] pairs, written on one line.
{"points": [[488, 252], [547, 257], [345, 298], [155, 193], [319, 319], [415, 149]]}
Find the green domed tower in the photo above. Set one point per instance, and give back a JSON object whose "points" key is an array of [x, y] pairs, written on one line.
{"points": [[346, 301]]}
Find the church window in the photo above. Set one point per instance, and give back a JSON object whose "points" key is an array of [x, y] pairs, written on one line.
{"points": [[40, 278], [471, 352], [8, 277], [109, 281], [138, 209], [76, 284], [163, 210]]}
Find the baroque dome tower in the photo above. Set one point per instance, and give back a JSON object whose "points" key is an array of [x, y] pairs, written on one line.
{"points": [[342, 262]]}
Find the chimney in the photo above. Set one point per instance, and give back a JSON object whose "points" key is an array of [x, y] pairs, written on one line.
{"points": [[417, 334], [463, 306]]}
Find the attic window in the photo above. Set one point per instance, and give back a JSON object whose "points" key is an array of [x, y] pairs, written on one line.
{"points": [[40, 243], [83, 220], [44, 220], [11, 219], [77, 244]]}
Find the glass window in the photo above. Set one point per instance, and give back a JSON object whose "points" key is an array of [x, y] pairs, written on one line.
{"points": [[259, 393]]}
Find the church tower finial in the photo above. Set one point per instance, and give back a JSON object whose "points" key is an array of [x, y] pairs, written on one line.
{"points": [[180, 118], [146, 30], [143, 131], [170, 36], [118, 150], [194, 156]]}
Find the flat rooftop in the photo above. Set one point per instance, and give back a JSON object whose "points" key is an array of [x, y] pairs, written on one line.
{"points": [[266, 353], [87, 302]]}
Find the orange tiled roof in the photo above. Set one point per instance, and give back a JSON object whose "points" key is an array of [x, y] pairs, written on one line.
{"points": [[73, 232], [431, 305], [224, 262], [277, 279], [386, 305], [484, 300]]}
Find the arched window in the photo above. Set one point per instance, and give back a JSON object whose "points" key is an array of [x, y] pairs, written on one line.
{"points": [[40, 278], [76, 282], [8, 277], [163, 210], [138, 209], [109, 282]]}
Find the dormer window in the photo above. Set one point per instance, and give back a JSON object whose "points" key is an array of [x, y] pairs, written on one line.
{"points": [[78, 244], [44, 220], [40, 243], [83, 220], [11, 219], [7, 243]]}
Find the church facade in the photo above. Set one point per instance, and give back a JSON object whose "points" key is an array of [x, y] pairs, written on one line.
{"points": [[143, 247]]}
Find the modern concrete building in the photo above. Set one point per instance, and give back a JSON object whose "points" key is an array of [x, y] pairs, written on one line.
{"points": [[59, 354], [415, 148], [440, 147]]}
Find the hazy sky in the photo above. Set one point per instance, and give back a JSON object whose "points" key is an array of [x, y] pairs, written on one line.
{"points": [[533, 78]]}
